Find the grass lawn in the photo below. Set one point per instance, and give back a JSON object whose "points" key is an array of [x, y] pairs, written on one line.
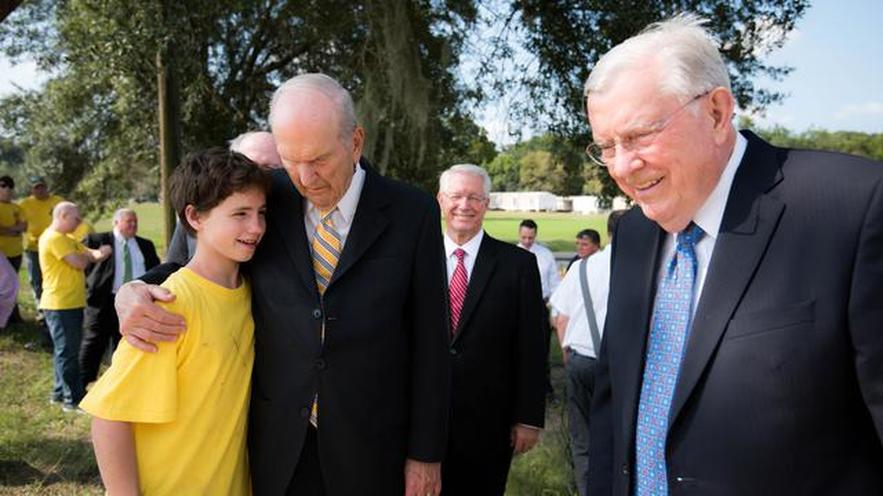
{"points": [[45, 451]]}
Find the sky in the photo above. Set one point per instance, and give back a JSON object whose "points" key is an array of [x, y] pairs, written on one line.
{"points": [[836, 83]]}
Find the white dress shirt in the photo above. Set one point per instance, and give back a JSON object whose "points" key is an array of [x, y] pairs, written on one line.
{"points": [[119, 242], [568, 300], [548, 267], [470, 247], [342, 217], [709, 218]]}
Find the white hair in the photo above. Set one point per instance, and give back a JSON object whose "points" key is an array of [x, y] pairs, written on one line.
{"points": [[685, 52], [123, 211], [325, 85], [62, 208], [465, 169], [236, 143]]}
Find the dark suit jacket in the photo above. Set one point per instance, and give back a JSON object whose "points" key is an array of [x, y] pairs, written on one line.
{"points": [[781, 385], [383, 373], [99, 276], [497, 354]]}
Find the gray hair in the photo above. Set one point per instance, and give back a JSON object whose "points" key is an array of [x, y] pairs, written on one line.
{"points": [[62, 208], [465, 169], [123, 211], [687, 53], [325, 85], [236, 143]]}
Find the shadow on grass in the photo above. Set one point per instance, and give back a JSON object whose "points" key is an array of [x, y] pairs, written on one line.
{"points": [[50, 461]]}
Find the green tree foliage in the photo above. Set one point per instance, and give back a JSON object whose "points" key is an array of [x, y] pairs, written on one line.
{"points": [[93, 127], [854, 143], [543, 163], [546, 49]]}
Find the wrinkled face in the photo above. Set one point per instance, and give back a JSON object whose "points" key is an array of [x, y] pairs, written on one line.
{"points": [[319, 162], [585, 247], [234, 227], [672, 177], [527, 236], [463, 205], [127, 225]]}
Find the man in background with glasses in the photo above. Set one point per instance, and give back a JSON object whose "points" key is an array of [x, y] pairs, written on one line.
{"points": [[746, 291]]}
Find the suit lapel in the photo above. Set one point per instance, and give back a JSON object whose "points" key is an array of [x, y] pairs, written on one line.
{"points": [[748, 224], [641, 250], [369, 222], [287, 215], [485, 262]]}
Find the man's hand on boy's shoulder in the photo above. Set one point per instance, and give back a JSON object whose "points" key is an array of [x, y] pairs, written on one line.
{"points": [[142, 322]]}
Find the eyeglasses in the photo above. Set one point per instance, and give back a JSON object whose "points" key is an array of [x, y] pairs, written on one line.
{"points": [[471, 199], [603, 154]]}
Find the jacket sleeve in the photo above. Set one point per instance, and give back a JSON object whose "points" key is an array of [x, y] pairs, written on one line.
{"points": [[530, 399], [430, 361]]}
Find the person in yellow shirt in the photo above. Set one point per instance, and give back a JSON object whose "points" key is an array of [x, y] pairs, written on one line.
{"points": [[64, 260], [37, 212], [12, 224], [174, 421]]}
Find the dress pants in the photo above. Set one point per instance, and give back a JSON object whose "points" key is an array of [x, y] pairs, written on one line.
{"points": [[475, 471], [100, 330], [580, 387], [307, 478]]}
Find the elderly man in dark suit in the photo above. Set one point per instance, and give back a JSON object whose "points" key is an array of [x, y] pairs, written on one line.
{"points": [[131, 257], [746, 291], [352, 371], [497, 345]]}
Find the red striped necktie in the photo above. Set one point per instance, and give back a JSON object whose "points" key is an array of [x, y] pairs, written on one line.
{"points": [[458, 289]]}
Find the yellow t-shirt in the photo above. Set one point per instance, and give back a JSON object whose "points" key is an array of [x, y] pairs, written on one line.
{"points": [[38, 214], [188, 403], [10, 215], [64, 287], [81, 231]]}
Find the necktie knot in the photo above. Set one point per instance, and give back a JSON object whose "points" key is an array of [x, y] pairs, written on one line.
{"points": [[325, 217], [460, 253], [688, 238]]}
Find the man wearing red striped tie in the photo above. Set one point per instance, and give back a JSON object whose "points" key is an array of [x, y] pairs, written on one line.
{"points": [[497, 351]]}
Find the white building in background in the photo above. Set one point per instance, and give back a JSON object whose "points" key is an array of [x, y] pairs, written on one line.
{"points": [[543, 201], [524, 201]]}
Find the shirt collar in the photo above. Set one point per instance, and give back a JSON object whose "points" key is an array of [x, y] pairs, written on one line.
{"points": [[711, 214], [470, 247], [347, 204]]}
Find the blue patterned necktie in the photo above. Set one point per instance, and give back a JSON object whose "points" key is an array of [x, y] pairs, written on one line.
{"points": [[672, 315]]}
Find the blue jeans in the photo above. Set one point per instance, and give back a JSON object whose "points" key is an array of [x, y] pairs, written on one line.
{"points": [[66, 328], [34, 274]]}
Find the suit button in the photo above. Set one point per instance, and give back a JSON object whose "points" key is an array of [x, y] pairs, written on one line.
{"points": [[317, 313], [453, 351], [305, 412], [625, 469], [319, 364]]}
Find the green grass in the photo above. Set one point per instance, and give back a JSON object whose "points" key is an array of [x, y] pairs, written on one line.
{"points": [[45, 451]]}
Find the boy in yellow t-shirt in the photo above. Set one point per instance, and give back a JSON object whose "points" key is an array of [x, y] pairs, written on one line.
{"points": [[64, 295], [174, 421]]}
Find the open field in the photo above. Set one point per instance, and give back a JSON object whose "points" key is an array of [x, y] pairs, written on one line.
{"points": [[45, 451]]}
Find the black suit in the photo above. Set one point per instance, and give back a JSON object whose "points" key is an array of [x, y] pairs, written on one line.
{"points": [[383, 373], [781, 385], [498, 360], [100, 324]]}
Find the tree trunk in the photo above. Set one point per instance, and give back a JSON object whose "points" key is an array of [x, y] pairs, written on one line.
{"points": [[169, 135]]}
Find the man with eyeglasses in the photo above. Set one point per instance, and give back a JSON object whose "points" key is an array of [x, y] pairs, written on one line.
{"points": [[496, 343], [748, 352]]}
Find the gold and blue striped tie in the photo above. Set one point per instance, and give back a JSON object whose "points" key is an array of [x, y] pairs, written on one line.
{"points": [[326, 252]]}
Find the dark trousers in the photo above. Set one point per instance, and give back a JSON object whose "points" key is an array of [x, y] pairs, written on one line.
{"points": [[100, 331], [580, 387], [66, 327], [469, 469], [307, 478], [35, 275]]}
